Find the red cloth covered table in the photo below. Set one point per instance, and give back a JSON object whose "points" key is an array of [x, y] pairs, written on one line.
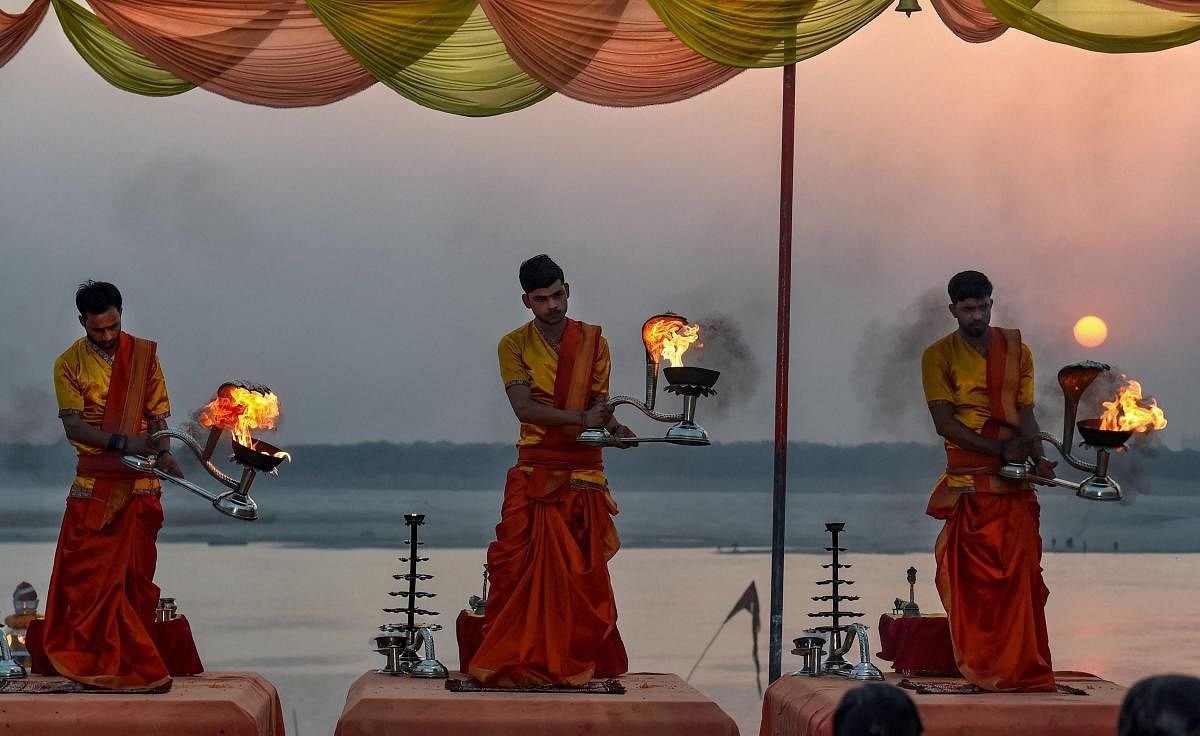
{"points": [[228, 703], [918, 645], [653, 705], [804, 706], [173, 639]]}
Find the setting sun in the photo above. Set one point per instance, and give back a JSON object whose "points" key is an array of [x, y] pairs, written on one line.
{"points": [[1090, 331]]}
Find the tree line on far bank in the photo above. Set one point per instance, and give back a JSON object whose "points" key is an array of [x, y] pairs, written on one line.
{"points": [[727, 466]]}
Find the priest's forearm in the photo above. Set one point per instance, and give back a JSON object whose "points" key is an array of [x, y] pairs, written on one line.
{"points": [[1029, 428], [957, 433]]}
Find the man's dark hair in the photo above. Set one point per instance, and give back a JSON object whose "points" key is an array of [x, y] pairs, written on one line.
{"points": [[1164, 705], [968, 285], [876, 709], [96, 297], [539, 272]]}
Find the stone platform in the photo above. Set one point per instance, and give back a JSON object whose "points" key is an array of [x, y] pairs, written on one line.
{"points": [[652, 705], [804, 706], [227, 703]]}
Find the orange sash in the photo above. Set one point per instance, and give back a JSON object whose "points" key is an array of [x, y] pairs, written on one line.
{"points": [[1003, 385], [123, 413]]}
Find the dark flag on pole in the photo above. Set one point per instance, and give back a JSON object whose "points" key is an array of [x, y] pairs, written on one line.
{"points": [[747, 602]]}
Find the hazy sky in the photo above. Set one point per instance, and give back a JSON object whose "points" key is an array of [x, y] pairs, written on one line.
{"points": [[360, 258]]}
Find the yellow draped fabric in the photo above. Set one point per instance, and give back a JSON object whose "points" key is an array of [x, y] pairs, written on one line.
{"points": [[764, 33], [81, 380], [112, 58], [526, 358], [1113, 26], [952, 370], [443, 54]]}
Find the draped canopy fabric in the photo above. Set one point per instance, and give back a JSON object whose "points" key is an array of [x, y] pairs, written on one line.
{"points": [[970, 20], [764, 33], [607, 52], [268, 52], [1113, 26], [112, 58], [487, 57], [15, 30], [442, 54]]}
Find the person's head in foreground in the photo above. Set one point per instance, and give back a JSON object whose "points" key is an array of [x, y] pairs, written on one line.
{"points": [[1163, 705], [876, 709]]}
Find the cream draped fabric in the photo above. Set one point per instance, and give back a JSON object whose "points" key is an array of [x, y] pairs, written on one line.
{"points": [[607, 52], [15, 30], [970, 20], [267, 52]]}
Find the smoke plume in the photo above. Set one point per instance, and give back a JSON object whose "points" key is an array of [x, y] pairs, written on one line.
{"points": [[888, 364], [725, 349]]}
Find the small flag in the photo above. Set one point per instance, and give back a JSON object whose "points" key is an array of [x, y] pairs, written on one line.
{"points": [[749, 603]]}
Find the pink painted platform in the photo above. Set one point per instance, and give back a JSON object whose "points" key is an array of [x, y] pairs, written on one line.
{"points": [[653, 705], [804, 706], [227, 703]]}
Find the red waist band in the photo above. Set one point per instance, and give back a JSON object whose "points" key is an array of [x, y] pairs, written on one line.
{"points": [[581, 458]]}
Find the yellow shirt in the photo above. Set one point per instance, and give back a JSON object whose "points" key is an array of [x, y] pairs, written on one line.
{"points": [[81, 380], [526, 358], [952, 370]]}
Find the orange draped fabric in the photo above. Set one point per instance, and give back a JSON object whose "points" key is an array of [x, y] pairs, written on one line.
{"points": [[15, 30], [970, 20], [989, 553], [551, 616], [102, 594], [607, 52], [267, 52]]}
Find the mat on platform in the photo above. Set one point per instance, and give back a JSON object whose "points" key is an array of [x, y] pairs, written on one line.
{"points": [[595, 687], [941, 687], [61, 685]]}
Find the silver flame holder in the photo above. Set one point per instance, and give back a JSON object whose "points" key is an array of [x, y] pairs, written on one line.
{"points": [[235, 502], [402, 642], [839, 637], [690, 383], [1074, 380]]}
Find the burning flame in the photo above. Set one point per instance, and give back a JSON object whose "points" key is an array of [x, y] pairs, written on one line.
{"points": [[240, 410], [669, 337], [1130, 412]]}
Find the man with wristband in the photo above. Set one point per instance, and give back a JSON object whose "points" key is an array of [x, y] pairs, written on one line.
{"points": [[111, 396], [551, 617], [979, 387]]}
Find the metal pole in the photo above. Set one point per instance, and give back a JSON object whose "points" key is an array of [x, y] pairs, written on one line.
{"points": [[783, 329]]}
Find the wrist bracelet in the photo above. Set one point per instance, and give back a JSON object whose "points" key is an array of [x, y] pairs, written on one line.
{"points": [[113, 439], [583, 418]]}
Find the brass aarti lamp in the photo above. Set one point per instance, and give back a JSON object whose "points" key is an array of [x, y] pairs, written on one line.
{"points": [[687, 381], [255, 457], [1075, 380]]}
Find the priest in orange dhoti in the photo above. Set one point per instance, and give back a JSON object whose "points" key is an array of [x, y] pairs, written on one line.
{"points": [[551, 617], [111, 395], [979, 387]]}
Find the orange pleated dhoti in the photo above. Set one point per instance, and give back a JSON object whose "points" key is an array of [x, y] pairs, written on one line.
{"points": [[989, 577], [102, 598], [551, 614]]}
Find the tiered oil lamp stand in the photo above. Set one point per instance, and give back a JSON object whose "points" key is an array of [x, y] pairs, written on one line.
{"points": [[837, 635], [401, 642]]}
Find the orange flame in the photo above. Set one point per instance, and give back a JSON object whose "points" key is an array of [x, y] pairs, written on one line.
{"points": [[669, 336], [240, 410], [1130, 412]]}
